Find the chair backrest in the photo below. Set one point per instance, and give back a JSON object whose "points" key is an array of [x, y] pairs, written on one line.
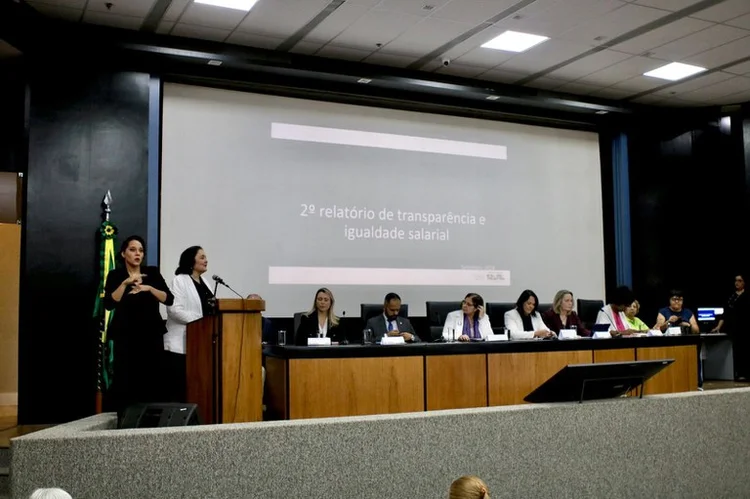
{"points": [[588, 310], [297, 320], [543, 307], [496, 312], [438, 310], [436, 332], [368, 310]]}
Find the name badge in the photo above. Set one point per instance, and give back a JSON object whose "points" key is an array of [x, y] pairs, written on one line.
{"points": [[318, 342], [498, 337], [392, 340], [568, 334]]}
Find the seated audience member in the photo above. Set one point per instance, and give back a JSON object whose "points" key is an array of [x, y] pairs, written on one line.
{"points": [[468, 487], [320, 321], [524, 322], [675, 315], [562, 315], [471, 322], [390, 323], [634, 322], [50, 494], [614, 313]]}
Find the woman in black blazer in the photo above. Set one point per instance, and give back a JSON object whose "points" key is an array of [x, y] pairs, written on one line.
{"points": [[320, 321], [134, 292]]}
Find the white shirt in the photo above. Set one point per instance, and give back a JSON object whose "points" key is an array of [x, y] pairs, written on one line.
{"points": [[514, 323], [388, 324], [607, 316], [323, 330], [454, 321], [186, 308]]}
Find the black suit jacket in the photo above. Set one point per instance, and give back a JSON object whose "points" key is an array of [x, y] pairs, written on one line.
{"points": [[308, 328], [377, 324]]}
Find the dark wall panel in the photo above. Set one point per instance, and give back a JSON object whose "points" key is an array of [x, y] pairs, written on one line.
{"points": [[687, 196], [87, 133]]}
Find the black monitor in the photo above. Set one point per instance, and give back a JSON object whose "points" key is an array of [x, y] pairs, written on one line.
{"points": [[579, 382]]}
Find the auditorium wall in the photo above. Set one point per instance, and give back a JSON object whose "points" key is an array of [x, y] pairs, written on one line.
{"points": [[88, 134], [689, 195]]}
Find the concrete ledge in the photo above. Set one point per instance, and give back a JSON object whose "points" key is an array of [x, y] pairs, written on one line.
{"points": [[681, 445]]}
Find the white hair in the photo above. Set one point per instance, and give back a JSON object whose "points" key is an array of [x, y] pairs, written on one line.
{"points": [[50, 494]]}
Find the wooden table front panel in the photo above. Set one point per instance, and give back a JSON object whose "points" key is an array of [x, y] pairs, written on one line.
{"points": [[615, 355], [456, 381], [681, 376], [275, 389], [512, 376], [321, 388]]}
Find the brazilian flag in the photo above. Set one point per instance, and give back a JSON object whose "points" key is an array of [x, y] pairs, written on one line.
{"points": [[105, 347]]}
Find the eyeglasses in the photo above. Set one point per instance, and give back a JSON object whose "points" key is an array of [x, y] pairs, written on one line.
{"points": [[676, 298]]}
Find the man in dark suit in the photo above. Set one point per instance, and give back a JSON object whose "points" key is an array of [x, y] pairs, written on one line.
{"points": [[390, 323]]}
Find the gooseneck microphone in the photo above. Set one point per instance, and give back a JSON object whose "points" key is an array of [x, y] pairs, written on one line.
{"points": [[219, 280]]}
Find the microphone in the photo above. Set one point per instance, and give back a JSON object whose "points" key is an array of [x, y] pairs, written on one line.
{"points": [[219, 280]]}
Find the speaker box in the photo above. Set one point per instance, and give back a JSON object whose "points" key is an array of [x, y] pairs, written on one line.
{"points": [[159, 416]]}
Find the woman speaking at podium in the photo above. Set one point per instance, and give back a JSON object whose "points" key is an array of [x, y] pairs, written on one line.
{"points": [[134, 292], [192, 301]]}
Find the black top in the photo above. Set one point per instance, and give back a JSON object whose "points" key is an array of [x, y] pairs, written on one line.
{"points": [[205, 295], [136, 315], [308, 328], [736, 312]]}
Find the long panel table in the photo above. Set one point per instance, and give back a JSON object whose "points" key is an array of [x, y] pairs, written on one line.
{"points": [[351, 380]]}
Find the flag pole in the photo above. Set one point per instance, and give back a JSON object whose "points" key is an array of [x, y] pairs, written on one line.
{"points": [[104, 348]]}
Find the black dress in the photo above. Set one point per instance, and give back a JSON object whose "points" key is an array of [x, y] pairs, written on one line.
{"points": [[136, 331], [736, 313]]}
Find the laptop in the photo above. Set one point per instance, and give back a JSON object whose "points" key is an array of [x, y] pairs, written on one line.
{"points": [[601, 328], [706, 317]]}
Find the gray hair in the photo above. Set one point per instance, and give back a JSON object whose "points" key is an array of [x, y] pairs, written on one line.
{"points": [[50, 494]]}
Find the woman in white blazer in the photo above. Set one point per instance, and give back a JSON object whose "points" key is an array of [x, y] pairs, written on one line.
{"points": [[192, 301], [614, 313], [524, 322], [468, 323]]}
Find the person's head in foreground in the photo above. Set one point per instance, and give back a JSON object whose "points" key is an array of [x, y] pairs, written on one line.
{"points": [[468, 487], [50, 494]]}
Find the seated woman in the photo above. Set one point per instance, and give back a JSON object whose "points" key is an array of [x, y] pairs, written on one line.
{"points": [[562, 315], [676, 316], [614, 313], [634, 322], [524, 322], [320, 321], [468, 323]]}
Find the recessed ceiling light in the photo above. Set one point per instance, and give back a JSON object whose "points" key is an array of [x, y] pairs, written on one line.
{"points": [[674, 71], [601, 111], [515, 41], [492, 97], [214, 62], [364, 80], [245, 5]]}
